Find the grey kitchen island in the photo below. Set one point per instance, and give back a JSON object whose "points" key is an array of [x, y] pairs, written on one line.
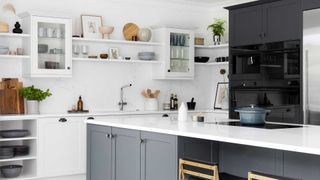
{"points": [[148, 148]]}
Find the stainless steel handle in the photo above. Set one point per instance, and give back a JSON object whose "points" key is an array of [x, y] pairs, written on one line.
{"points": [[109, 136], [306, 87]]}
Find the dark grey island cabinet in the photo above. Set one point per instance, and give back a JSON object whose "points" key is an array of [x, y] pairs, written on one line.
{"points": [[267, 22], [310, 4], [123, 154]]}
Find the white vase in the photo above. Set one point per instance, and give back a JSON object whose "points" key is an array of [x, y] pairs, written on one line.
{"points": [[144, 34], [151, 104], [33, 107]]}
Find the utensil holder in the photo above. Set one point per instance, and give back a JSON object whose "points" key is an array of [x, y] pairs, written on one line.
{"points": [[151, 104]]}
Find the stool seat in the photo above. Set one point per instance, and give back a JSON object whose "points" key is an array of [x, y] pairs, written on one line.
{"points": [[254, 175]]}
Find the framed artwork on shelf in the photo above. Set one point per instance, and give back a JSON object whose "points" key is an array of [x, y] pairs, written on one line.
{"points": [[91, 25], [221, 100], [114, 53]]}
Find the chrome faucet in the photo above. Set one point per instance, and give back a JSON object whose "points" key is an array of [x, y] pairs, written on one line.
{"points": [[122, 103]]}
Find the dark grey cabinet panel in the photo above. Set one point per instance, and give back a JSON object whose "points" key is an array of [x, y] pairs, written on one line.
{"points": [[282, 20], [159, 156], [304, 166], [126, 154], [246, 26], [99, 162], [198, 149], [310, 4]]}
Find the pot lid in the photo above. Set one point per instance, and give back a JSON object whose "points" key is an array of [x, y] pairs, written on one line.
{"points": [[252, 108]]}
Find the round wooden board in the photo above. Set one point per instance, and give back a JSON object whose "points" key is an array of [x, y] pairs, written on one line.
{"points": [[130, 30]]}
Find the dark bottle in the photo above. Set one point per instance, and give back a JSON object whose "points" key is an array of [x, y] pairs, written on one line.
{"points": [[172, 104], [80, 104], [17, 28], [176, 106]]}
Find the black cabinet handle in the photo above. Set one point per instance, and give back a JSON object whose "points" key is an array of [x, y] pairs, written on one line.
{"points": [[90, 118], [68, 68], [63, 120], [142, 141], [165, 115]]}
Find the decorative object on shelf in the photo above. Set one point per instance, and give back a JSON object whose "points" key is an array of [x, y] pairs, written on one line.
{"points": [[198, 41], [203, 59], [11, 171], [191, 105], [127, 58], [104, 56], [144, 34], [76, 50], [222, 96], [199, 117], [106, 31], [91, 25], [34, 96], [114, 53], [84, 51], [80, 104], [146, 56], [151, 99], [11, 101], [17, 28], [218, 30], [93, 57], [16, 133], [183, 112], [4, 27], [222, 59], [129, 31], [51, 65]]}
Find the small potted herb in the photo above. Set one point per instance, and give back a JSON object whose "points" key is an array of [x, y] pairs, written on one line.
{"points": [[34, 96], [217, 29]]}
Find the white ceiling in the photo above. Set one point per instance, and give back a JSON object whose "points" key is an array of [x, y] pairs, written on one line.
{"points": [[212, 3]]}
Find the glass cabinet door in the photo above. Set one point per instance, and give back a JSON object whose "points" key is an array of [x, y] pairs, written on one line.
{"points": [[179, 52], [52, 46]]}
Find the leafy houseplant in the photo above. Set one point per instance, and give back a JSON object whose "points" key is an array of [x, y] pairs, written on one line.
{"points": [[34, 96], [217, 29]]}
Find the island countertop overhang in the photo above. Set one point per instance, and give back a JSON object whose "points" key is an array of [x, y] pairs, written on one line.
{"points": [[301, 140]]}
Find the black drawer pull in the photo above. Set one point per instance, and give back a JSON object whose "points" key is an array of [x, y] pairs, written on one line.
{"points": [[63, 120], [90, 118]]}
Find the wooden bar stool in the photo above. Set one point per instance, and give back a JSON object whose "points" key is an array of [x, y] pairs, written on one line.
{"points": [[212, 168], [262, 176]]}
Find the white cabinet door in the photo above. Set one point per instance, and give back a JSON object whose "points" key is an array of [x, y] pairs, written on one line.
{"points": [[62, 146]]}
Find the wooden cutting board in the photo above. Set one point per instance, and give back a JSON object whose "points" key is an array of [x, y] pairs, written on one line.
{"points": [[11, 102], [130, 30]]}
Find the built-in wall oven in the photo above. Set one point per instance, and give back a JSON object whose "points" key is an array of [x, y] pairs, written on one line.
{"points": [[267, 75]]}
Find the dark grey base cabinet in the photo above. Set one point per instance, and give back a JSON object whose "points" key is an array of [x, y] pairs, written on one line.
{"points": [[122, 154], [310, 4], [269, 22]]}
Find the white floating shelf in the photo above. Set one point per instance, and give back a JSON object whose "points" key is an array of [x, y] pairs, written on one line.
{"points": [[112, 41], [213, 64], [17, 139], [116, 61], [13, 35], [211, 46], [13, 57], [24, 177], [18, 158]]}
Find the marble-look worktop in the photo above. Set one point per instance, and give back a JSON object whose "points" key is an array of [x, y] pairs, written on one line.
{"points": [[101, 113], [302, 140]]}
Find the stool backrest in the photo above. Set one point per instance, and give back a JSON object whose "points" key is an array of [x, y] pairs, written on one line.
{"points": [[183, 171]]}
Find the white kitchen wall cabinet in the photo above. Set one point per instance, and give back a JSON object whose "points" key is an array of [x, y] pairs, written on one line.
{"points": [[62, 147], [177, 53], [50, 45]]}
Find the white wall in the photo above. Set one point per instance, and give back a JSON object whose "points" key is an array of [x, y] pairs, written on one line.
{"points": [[99, 83]]}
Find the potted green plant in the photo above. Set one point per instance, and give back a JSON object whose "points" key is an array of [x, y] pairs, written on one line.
{"points": [[218, 30], [34, 96]]}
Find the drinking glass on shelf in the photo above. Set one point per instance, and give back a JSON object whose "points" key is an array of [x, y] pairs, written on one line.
{"points": [[182, 40], [76, 50], [84, 50]]}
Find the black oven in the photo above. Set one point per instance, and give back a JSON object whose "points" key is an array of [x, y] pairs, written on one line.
{"points": [[267, 75]]}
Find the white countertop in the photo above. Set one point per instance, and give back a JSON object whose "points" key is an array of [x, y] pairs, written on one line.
{"points": [[302, 140], [99, 113]]}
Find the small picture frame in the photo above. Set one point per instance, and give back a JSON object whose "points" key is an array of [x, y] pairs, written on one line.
{"points": [[113, 53], [222, 92], [90, 26]]}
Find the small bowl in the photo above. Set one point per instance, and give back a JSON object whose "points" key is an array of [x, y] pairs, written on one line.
{"points": [[4, 50], [51, 65], [146, 56], [104, 56], [11, 171], [203, 59], [106, 31]]}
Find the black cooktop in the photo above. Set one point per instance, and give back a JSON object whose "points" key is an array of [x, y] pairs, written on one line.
{"points": [[263, 126]]}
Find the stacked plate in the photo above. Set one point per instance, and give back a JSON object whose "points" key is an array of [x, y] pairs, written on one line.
{"points": [[4, 50], [146, 56], [14, 133], [6, 152]]}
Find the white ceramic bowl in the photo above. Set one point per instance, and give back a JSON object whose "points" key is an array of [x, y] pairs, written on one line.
{"points": [[106, 31]]}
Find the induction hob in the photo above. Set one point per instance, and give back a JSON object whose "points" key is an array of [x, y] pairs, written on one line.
{"points": [[263, 126]]}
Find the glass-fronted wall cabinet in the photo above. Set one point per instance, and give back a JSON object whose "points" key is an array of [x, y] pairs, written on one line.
{"points": [[51, 46], [177, 53]]}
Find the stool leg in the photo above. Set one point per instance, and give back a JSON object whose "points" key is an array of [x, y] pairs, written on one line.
{"points": [[249, 176], [216, 173], [181, 176]]}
